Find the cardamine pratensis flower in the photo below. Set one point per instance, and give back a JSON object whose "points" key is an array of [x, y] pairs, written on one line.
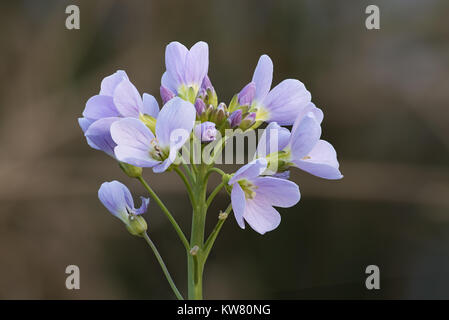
{"points": [[138, 146], [282, 104], [186, 69], [301, 148], [253, 196], [117, 198], [118, 98]]}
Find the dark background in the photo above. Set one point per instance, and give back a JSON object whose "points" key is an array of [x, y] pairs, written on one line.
{"points": [[385, 98]]}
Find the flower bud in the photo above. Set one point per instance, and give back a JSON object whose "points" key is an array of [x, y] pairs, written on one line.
{"points": [[166, 94], [220, 113], [200, 106], [206, 131], [136, 225], [130, 170], [235, 118], [248, 121], [194, 250]]}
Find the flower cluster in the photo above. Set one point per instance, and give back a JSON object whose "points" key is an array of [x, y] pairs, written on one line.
{"points": [[133, 129], [136, 132]]}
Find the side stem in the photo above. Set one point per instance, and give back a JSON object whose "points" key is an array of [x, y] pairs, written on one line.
{"points": [[163, 266]]}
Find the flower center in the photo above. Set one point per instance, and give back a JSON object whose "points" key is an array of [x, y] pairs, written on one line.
{"points": [[248, 188], [156, 152]]}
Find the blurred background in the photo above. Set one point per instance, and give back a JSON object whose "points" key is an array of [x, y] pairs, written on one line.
{"points": [[385, 97]]}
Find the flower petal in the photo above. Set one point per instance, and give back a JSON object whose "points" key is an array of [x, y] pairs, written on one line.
{"points": [[278, 192], [98, 107], [317, 113], [175, 61], [196, 64], [162, 166], [262, 77], [176, 116], [273, 139], [85, 123], [99, 134], [115, 197], [304, 136], [321, 161], [109, 83], [238, 204], [134, 156], [132, 133], [127, 99], [150, 105], [143, 208], [286, 101], [246, 95], [249, 170], [261, 216]]}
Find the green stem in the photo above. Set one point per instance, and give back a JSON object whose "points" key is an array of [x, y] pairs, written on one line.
{"points": [[167, 213], [186, 183], [195, 264], [211, 239], [163, 266], [219, 171], [214, 193]]}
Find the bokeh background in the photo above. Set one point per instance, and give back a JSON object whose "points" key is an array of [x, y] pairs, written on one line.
{"points": [[385, 96]]}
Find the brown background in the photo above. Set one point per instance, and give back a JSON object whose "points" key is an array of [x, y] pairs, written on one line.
{"points": [[385, 97]]}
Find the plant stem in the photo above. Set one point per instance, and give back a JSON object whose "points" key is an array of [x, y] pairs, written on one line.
{"points": [[167, 213], [211, 239], [195, 263], [163, 266], [186, 182], [214, 193], [219, 171]]}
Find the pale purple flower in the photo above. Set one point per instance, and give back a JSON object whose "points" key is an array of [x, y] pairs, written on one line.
{"points": [[206, 131], [117, 198], [253, 196], [302, 147], [118, 98], [185, 68], [138, 146], [284, 102], [309, 152]]}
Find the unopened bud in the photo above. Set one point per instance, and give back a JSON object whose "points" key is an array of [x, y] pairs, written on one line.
{"points": [[222, 215], [205, 131], [235, 118], [248, 121], [200, 106], [194, 250]]}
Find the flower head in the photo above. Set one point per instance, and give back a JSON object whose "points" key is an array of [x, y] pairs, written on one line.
{"points": [[303, 147], [282, 104], [186, 69], [118, 98], [253, 196], [116, 197], [138, 146]]}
